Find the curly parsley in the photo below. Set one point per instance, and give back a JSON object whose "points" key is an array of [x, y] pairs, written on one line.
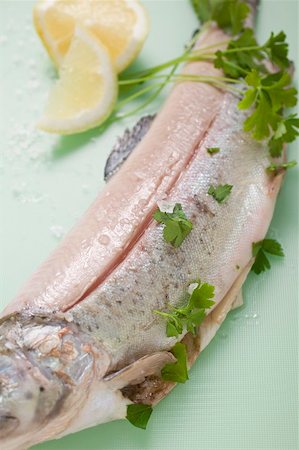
{"points": [[191, 315]]}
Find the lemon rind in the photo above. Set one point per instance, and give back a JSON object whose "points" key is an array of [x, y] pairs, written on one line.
{"points": [[139, 35]]}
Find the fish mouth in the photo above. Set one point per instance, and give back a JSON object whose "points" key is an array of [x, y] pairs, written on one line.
{"points": [[144, 224], [8, 424]]}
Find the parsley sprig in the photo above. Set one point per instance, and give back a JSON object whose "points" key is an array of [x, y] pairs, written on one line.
{"points": [[267, 96], [229, 14], [178, 371], [286, 131], [259, 250], [221, 192], [191, 315], [277, 168], [138, 414], [244, 54], [177, 226], [264, 94]]}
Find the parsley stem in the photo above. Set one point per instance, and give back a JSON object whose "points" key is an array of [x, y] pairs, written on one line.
{"points": [[194, 55], [180, 76], [220, 82], [158, 68], [152, 97], [208, 47], [235, 66], [137, 94], [243, 49]]}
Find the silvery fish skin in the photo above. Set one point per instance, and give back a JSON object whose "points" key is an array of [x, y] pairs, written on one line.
{"points": [[154, 274], [77, 349]]}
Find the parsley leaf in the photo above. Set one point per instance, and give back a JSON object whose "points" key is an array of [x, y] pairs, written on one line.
{"points": [[276, 168], [259, 250], [177, 226], [229, 14], [238, 13], [242, 55], [195, 319], [213, 150], [177, 371], [287, 131], [221, 192], [276, 48], [275, 147], [138, 414], [201, 296], [277, 86], [192, 314], [262, 118], [267, 95]]}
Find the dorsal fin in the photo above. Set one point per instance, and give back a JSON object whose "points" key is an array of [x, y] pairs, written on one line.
{"points": [[126, 144]]}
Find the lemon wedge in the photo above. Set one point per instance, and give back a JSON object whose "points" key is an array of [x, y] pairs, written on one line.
{"points": [[121, 25], [85, 93]]}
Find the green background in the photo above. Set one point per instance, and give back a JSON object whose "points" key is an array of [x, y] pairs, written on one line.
{"points": [[242, 393]]}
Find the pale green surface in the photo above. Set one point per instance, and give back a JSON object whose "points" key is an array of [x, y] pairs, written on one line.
{"points": [[242, 393]]}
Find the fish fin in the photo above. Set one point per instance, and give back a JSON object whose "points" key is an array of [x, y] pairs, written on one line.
{"points": [[220, 311], [136, 372], [126, 144], [238, 301], [212, 323], [153, 388]]}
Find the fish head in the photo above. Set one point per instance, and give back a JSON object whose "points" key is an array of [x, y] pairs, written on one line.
{"points": [[19, 394], [46, 369]]}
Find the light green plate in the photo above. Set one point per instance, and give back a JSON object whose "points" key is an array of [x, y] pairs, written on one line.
{"points": [[242, 393]]}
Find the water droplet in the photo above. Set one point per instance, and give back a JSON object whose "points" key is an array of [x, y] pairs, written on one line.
{"points": [[223, 335], [18, 190], [17, 60], [235, 317], [3, 39], [104, 239], [142, 203], [57, 231]]}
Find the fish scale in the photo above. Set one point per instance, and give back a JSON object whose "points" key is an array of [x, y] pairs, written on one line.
{"points": [[154, 274]]}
